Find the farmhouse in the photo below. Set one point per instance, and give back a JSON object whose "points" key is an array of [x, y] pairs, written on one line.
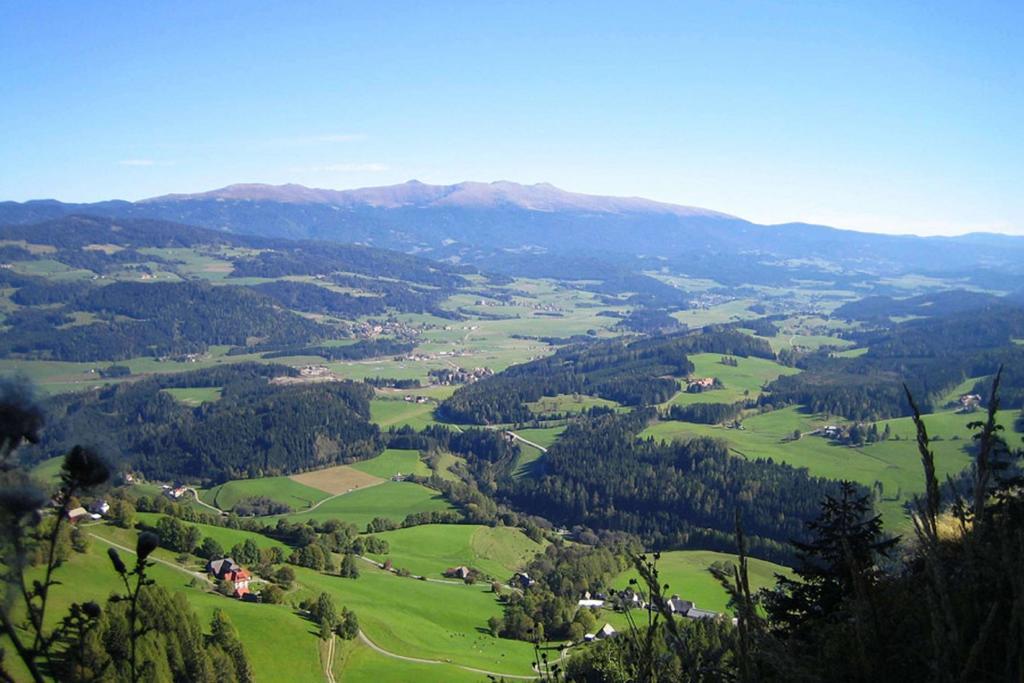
{"points": [[226, 569], [523, 580], [460, 572], [174, 492], [630, 599], [607, 631], [99, 507], [76, 514], [688, 609], [969, 402]]}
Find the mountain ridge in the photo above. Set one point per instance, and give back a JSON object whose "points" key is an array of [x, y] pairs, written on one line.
{"points": [[413, 193]]}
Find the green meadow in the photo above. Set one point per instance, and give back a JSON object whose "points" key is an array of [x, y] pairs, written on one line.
{"points": [[194, 396], [569, 403], [393, 461], [429, 549], [391, 500], [281, 489], [397, 412], [740, 382], [425, 619], [543, 436]]}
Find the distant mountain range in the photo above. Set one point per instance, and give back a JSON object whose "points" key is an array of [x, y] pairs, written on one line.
{"points": [[540, 229]]}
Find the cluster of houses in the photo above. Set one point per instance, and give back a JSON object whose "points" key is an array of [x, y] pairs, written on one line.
{"points": [[174, 492], [95, 510], [416, 399], [449, 376], [968, 403], [629, 599], [696, 384], [227, 570]]}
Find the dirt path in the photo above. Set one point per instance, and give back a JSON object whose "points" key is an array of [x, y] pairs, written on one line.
{"points": [[172, 565], [528, 443], [203, 503], [329, 667], [416, 660]]}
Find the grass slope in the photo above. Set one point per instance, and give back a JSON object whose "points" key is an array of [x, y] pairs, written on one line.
{"points": [[393, 461], [281, 489], [397, 412], [430, 549], [749, 375], [392, 500]]}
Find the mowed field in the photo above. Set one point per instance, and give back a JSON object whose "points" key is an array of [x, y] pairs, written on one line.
{"points": [[391, 500], [194, 396], [425, 619], [287, 490], [397, 412], [336, 480], [742, 381], [429, 549], [569, 403], [393, 461]]}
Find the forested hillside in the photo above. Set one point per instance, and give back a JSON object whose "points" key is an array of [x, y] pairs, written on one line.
{"points": [[929, 355], [256, 428], [634, 373], [671, 495]]}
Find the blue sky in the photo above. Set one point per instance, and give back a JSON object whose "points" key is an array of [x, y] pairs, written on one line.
{"points": [[893, 117]]}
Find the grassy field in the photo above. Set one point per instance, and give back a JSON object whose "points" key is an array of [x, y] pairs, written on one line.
{"points": [[397, 412], [359, 664], [530, 462], [281, 489], [392, 500], [740, 382], [430, 549], [194, 396], [424, 619], [393, 461], [545, 436], [265, 630], [569, 403], [444, 464], [894, 463], [686, 573]]}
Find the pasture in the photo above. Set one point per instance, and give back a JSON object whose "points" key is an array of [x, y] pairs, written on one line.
{"points": [[285, 490], [740, 382], [431, 548], [391, 500], [425, 619], [397, 412], [194, 396], [393, 461]]}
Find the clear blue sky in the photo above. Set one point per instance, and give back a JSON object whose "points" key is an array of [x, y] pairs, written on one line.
{"points": [[897, 117]]}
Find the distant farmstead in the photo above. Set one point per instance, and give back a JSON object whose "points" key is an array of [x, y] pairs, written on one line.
{"points": [[227, 570]]}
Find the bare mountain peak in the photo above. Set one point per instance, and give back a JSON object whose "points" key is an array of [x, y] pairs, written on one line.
{"points": [[416, 194]]}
